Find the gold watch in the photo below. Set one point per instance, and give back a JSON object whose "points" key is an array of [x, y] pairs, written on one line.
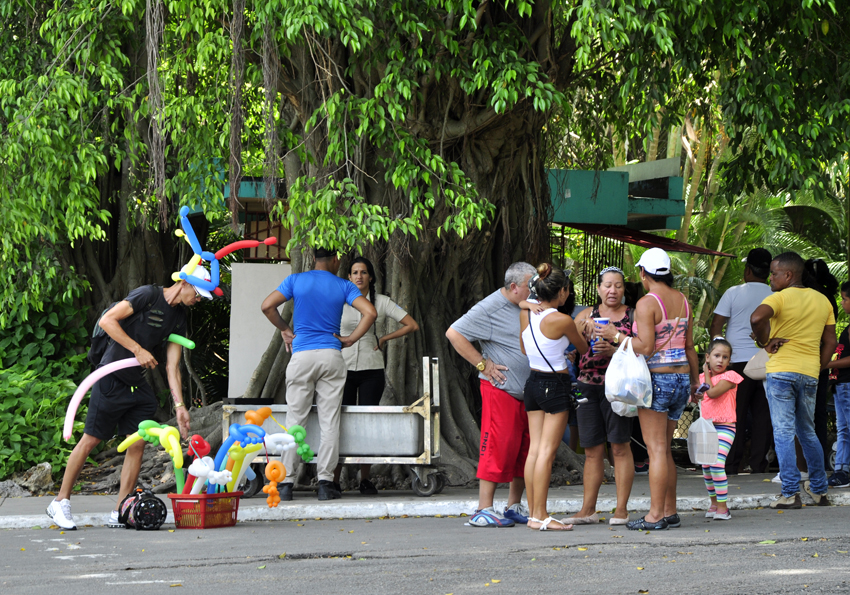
{"points": [[178, 405], [481, 365]]}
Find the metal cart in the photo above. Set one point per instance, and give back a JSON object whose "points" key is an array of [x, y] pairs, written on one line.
{"points": [[407, 436]]}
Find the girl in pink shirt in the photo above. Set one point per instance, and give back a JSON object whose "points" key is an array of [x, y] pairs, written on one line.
{"points": [[719, 387]]}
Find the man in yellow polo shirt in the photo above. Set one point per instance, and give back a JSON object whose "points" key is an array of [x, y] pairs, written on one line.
{"points": [[796, 326]]}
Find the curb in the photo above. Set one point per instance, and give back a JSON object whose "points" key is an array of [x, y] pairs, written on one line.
{"points": [[424, 508]]}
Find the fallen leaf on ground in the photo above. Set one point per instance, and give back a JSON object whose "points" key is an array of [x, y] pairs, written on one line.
{"points": [[767, 542], [261, 567], [494, 581], [582, 549], [640, 567]]}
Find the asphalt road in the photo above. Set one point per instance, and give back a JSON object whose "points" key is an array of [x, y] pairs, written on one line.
{"points": [[758, 552]]}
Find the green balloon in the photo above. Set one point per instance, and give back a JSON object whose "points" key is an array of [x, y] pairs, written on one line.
{"points": [[181, 341]]}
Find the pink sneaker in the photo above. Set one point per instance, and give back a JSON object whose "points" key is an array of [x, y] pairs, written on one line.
{"points": [[723, 516], [709, 514]]}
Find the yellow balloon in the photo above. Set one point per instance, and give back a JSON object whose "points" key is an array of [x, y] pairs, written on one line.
{"points": [[128, 441], [239, 454]]}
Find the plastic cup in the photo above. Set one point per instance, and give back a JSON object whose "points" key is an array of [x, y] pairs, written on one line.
{"points": [[601, 322]]}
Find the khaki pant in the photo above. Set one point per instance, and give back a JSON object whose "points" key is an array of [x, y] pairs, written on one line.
{"points": [[321, 372]]}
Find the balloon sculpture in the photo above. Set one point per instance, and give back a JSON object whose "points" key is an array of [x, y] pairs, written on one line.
{"points": [[200, 448], [167, 436], [275, 472], [204, 469], [185, 274]]}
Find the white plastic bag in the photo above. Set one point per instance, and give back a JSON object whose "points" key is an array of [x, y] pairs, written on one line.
{"points": [[703, 443], [627, 379], [624, 410]]}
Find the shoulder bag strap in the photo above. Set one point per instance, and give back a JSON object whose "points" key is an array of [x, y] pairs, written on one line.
{"points": [[540, 351]]}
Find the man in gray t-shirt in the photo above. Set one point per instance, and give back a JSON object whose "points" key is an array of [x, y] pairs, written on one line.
{"points": [[502, 371]]}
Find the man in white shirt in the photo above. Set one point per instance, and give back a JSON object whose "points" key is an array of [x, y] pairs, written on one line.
{"points": [[733, 311]]}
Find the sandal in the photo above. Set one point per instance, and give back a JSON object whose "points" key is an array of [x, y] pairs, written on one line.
{"points": [[544, 525]]}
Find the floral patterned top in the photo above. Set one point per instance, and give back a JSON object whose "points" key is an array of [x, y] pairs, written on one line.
{"points": [[592, 366]]}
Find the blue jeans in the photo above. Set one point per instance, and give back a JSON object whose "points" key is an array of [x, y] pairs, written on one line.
{"points": [[791, 398], [842, 419]]}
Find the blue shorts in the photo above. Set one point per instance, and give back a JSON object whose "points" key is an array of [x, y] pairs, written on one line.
{"points": [[670, 393]]}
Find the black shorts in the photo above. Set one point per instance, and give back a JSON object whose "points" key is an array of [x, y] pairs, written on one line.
{"points": [[597, 422], [548, 392], [367, 384], [113, 405]]}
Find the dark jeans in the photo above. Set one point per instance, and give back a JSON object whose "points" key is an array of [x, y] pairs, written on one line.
{"points": [[752, 403], [821, 415]]}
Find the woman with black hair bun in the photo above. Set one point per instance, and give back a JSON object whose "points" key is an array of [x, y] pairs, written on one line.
{"points": [[364, 360], [544, 337], [664, 334]]}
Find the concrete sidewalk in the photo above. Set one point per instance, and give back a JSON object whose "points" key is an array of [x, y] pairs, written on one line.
{"points": [[745, 492]]}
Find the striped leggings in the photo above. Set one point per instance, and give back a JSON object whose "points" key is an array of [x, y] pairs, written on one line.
{"points": [[715, 475]]}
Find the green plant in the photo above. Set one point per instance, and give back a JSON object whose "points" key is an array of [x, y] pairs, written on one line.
{"points": [[33, 401], [41, 363]]}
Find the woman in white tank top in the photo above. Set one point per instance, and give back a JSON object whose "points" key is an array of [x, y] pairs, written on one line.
{"points": [[544, 337]]}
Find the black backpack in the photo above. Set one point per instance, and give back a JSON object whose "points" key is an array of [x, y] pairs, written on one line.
{"points": [[100, 340]]}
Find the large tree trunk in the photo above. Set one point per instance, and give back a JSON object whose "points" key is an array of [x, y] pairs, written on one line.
{"points": [[435, 278]]}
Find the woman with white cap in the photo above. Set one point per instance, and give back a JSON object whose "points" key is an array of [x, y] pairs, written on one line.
{"points": [[663, 334]]}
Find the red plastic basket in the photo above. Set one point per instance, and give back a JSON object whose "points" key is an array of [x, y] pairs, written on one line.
{"points": [[205, 511]]}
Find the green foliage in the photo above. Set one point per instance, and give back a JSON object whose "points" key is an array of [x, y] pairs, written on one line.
{"points": [[33, 402], [40, 367]]}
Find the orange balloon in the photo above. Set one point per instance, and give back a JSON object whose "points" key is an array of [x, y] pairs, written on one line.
{"points": [[259, 416], [275, 471]]}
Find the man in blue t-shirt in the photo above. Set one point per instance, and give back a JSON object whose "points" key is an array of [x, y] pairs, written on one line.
{"points": [[317, 366]]}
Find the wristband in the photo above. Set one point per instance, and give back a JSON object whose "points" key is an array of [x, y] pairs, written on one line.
{"points": [[178, 405]]}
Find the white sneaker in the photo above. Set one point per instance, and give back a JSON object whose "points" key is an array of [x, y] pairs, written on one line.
{"points": [[60, 512], [803, 477], [113, 522]]}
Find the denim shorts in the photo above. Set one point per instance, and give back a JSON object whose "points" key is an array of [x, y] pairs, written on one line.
{"points": [[670, 394], [548, 392]]}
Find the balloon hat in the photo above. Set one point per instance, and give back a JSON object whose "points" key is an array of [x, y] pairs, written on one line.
{"points": [[207, 282]]}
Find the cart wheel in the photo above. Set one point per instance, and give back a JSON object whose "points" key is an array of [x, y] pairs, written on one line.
{"points": [[441, 483], [250, 487], [832, 460], [426, 489]]}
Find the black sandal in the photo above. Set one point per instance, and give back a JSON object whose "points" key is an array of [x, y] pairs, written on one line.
{"points": [[642, 524]]}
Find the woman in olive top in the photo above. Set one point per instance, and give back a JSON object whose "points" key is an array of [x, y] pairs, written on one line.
{"points": [[364, 360]]}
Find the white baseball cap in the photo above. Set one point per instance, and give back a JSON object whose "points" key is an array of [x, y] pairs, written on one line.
{"points": [[202, 273], [655, 262]]}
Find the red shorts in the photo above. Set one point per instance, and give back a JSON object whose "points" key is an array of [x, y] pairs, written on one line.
{"points": [[504, 436]]}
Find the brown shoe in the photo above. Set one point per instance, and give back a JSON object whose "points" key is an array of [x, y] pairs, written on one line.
{"points": [[787, 502], [820, 499]]}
